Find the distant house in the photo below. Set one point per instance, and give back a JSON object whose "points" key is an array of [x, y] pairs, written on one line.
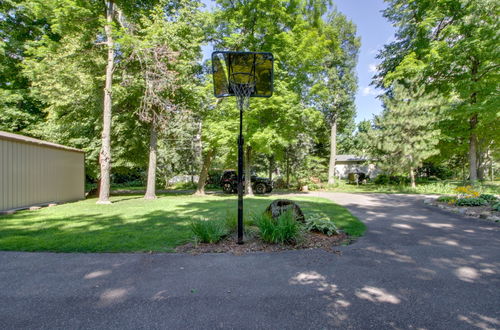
{"points": [[345, 164]]}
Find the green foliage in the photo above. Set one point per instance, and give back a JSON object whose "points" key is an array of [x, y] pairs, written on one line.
{"points": [[209, 231], [474, 201], [384, 179], [283, 230], [405, 134], [447, 199], [231, 221], [322, 224], [496, 207], [489, 198], [453, 47]]}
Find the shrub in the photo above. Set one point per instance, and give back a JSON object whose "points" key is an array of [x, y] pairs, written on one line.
{"points": [[466, 192], [231, 221], [284, 229], [381, 179], [489, 198], [321, 224], [313, 186], [496, 207], [384, 179], [473, 201], [447, 199], [209, 231]]}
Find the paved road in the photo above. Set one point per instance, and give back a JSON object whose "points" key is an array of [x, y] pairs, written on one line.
{"points": [[416, 268]]}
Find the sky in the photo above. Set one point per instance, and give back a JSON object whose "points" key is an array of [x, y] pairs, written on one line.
{"points": [[375, 31]]}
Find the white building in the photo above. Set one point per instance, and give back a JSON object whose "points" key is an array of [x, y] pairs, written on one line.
{"points": [[345, 164]]}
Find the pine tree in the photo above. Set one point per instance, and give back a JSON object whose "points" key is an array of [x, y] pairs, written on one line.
{"points": [[405, 134]]}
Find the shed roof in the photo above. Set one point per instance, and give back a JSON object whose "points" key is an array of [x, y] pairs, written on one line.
{"points": [[350, 158], [29, 140]]}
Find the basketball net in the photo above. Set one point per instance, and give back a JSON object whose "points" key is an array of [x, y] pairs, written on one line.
{"points": [[243, 85]]}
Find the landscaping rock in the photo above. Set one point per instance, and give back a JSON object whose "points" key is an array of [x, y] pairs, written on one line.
{"points": [[485, 215], [471, 213], [428, 201], [52, 204], [280, 206], [34, 208]]}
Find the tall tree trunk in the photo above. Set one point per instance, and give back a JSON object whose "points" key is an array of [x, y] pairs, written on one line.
{"points": [[153, 150], [412, 177], [207, 160], [105, 154], [287, 170], [271, 166], [333, 152], [248, 173], [473, 149]]}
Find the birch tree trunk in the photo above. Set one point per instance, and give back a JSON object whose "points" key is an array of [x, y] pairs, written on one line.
{"points": [[207, 160], [271, 166], [105, 154], [473, 149], [287, 170], [333, 152], [412, 177], [153, 150], [248, 174]]}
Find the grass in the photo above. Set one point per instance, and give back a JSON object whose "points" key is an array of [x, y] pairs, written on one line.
{"points": [[132, 224], [284, 229], [439, 187]]}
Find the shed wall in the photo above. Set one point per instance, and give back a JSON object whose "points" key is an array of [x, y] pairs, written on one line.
{"points": [[33, 174]]}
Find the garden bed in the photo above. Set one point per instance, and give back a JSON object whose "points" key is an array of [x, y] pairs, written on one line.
{"points": [[483, 212], [310, 240]]}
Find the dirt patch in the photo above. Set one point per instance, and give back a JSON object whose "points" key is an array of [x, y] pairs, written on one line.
{"points": [[310, 240]]}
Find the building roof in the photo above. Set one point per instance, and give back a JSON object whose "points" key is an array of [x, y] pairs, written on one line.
{"points": [[350, 158], [29, 140]]}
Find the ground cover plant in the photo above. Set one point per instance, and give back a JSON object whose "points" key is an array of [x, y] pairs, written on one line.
{"points": [[439, 187], [469, 201], [132, 224], [321, 223]]}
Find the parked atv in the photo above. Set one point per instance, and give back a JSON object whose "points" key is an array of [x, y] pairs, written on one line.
{"points": [[229, 183]]}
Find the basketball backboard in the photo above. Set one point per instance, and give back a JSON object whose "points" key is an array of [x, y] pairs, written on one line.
{"points": [[250, 68]]}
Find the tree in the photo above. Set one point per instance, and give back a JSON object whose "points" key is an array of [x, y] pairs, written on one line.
{"points": [[105, 153], [20, 112], [453, 44], [290, 31], [405, 133], [335, 90], [167, 47]]}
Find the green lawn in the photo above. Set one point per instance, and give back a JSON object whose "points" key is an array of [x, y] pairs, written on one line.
{"points": [[440, 187], [133, 224]]}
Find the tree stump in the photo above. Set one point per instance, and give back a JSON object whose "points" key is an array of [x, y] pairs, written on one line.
{"points": [[280, 206]]}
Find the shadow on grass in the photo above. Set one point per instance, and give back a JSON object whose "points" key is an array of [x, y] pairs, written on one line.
{"points": [[152, 231], [132, 227]]}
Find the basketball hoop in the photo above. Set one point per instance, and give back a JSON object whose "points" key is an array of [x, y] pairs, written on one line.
{"points": [[244, 75], [242, 85]]}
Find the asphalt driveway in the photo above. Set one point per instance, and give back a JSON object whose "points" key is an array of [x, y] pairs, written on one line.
{"points": [[416, 268]]}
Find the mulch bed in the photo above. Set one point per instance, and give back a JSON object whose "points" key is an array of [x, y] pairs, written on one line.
{"points": [[310, 240]]}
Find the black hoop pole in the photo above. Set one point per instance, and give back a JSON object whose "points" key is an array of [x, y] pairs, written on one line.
{"points": [[240, 174]]}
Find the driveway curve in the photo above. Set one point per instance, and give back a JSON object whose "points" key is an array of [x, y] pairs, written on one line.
{"points": [[416, 268]]}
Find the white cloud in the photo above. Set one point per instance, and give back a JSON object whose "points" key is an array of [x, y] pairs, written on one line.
{"points": [[370, 91]]}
